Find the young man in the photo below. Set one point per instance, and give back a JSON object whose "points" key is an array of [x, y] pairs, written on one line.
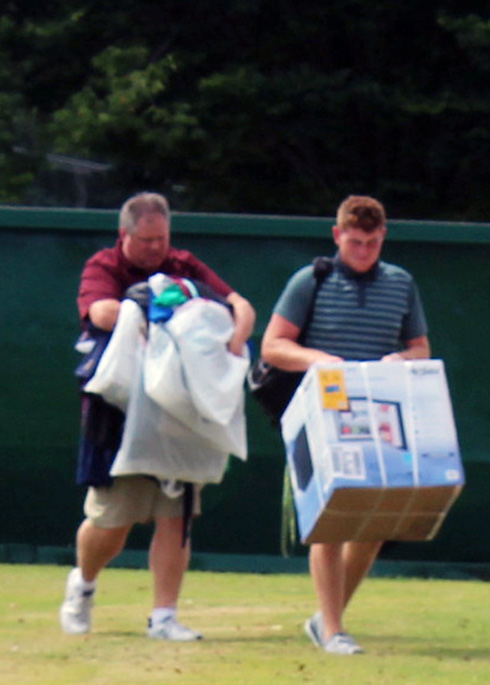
{"points": [[143, 248], [365, 310]]}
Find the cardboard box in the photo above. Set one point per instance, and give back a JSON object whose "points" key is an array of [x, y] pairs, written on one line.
{"points": [[372, 451]]}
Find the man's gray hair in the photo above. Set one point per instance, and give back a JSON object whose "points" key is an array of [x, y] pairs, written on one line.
{"points": [[139, 205]]}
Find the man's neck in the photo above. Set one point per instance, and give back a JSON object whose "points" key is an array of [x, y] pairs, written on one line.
{"points": [[352, 274]]}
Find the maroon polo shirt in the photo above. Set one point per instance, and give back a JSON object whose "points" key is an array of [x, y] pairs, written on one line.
{"points": [[108, 274]]}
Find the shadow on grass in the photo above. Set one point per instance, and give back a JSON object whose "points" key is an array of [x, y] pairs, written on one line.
{"points": [[207, 640], [419, 646]]}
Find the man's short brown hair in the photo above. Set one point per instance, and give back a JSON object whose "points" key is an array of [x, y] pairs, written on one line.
{"points": [[361, 211]]}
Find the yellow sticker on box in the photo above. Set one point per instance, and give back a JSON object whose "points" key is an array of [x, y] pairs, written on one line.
{"points": [[332, 385]]}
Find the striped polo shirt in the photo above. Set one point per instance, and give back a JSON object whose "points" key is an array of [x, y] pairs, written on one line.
{"points": [[356, 319]]}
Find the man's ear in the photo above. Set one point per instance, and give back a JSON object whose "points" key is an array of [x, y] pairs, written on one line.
{"points": [[336, 234], [122, 232]]}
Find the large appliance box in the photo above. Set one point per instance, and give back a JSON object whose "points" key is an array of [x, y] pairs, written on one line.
{"points": [[372, 451]]}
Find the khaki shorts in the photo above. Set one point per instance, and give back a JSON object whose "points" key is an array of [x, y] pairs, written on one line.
{"points": [[134, 499]]}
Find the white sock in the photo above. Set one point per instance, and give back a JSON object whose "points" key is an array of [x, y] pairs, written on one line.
{"points": [[86, 584], [160, 614]]}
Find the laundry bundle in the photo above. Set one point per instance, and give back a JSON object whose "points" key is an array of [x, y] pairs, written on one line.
{"points": [[181, 389]]}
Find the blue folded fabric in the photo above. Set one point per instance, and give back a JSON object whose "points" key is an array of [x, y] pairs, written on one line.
{"points": [[158, 312]]}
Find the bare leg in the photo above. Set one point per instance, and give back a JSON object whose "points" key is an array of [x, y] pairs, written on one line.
{"points": [[96, 547], [168, 561], [357, 560], [326, 568], [337, 571]]}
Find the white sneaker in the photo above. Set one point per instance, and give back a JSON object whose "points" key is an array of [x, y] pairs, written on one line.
{"points": [[340, 643], [171, 629], [343, 643], [75, 610]]}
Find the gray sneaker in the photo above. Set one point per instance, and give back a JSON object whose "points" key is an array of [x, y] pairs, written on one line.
{"points": [[75, 610], [340, 643], [171, 629]]}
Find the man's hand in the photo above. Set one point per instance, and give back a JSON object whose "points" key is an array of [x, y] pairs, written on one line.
{"points": [[244, 317], [417, 348], [393, 357]]}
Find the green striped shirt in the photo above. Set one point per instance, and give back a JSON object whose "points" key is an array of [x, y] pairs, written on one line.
{"points": [[351, 324]]}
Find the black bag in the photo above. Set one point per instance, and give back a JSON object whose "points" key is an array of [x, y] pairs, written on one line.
{"points": [[273, 387]]}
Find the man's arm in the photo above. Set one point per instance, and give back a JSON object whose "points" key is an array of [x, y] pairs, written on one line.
{"points": [[244, 316], [417, 348], [103, 313], [281, 349]]}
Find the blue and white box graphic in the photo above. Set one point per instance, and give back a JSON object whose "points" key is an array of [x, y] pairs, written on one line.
{"points": [[372, 451]]}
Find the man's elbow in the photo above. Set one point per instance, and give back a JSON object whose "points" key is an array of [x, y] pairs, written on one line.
{"points": [[103, 314], [420, 348], [267, 350]]}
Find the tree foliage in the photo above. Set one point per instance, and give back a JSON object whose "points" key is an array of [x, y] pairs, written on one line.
{"points": [[255, 105]]}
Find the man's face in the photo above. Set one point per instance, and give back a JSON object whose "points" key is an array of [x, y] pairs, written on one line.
{"points": [[359, 250], [148, 246]]}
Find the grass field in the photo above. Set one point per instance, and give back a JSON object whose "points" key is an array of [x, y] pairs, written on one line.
{"points": [[414, 631]]}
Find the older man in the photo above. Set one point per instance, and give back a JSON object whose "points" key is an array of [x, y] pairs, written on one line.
{"points": [[111, 509]]}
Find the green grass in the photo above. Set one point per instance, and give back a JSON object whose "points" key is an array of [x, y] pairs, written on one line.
{"points": [[414, 631]]}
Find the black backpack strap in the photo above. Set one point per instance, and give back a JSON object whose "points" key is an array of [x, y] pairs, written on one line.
{"points": [[322, 268], [272, 387]]}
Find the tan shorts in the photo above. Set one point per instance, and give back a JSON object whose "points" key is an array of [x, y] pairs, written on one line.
{"points": [[134, 499]]}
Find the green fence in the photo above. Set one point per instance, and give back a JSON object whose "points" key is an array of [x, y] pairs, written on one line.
{"points": [[42, 254]]}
